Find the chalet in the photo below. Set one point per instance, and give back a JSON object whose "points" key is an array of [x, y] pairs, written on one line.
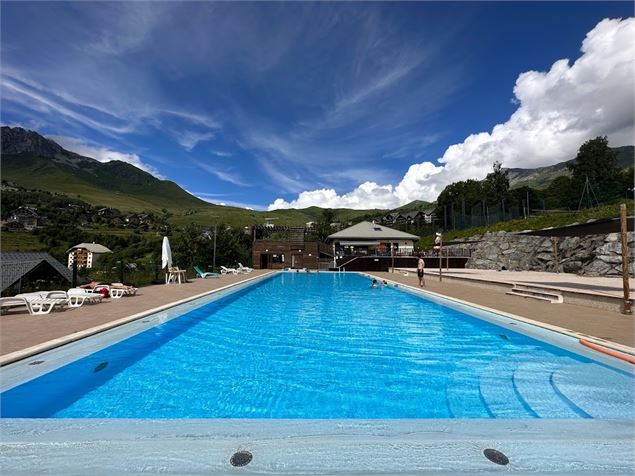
{"points": [[139, 219], [414, 218], [108, 212], [25, 218], [86, 255], [25, 272], [428, 215], [279, 247], [394, 218]]}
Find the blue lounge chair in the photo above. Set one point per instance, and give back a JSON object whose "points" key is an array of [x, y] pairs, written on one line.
{"points": [[204, 275]]}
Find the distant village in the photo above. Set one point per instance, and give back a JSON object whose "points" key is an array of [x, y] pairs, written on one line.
{"points": [[45, 208]]}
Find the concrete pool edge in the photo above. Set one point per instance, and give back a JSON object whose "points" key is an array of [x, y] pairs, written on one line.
{"points": [[86, 446], [22, 354], [595, 355]]}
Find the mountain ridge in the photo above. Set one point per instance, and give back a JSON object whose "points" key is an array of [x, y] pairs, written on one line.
{"points": [[541, 177], [36, 162]]}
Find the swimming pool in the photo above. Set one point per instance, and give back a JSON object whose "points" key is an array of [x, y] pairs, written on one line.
{"points": [[326, 346]]}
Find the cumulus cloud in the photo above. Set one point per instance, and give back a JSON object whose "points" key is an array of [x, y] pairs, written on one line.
{"points": [[367, 195], [557, 111], [103, 154]]}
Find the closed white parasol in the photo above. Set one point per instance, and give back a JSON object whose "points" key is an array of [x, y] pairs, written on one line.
{"points": [[166, 253]]}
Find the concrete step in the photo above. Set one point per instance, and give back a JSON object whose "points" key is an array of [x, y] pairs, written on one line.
{"points": [[536, 293]]}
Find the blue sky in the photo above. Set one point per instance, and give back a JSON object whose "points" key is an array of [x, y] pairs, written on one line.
{"points": [[334, 104]]}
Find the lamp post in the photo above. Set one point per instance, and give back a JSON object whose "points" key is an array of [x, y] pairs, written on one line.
{"points": [[439, 242], [214, 253], [214, 248], [392, 256]]}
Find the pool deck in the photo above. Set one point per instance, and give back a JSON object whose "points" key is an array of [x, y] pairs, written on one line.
{"points": [[593, 285]]}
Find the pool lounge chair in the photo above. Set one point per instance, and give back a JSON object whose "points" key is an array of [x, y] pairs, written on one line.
{"points": [[127, 290], [36, 303], [224, 270], [205, 274], [89, 297], [244, 269]]}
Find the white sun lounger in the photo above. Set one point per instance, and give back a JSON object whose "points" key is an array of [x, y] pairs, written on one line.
{"points": [[81, 295], [244, 269], [115, 293], [224, 270], [35, 303]]}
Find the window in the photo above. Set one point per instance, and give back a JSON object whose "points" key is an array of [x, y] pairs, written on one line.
{"points": [[277, 258]]}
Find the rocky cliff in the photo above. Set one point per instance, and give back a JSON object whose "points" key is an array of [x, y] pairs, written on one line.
{"points": [[591, 255]]}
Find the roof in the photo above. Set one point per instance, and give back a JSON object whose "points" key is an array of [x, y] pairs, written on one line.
{"points": [[92, 247], [371, 231], [16, 264], [592, 227]]}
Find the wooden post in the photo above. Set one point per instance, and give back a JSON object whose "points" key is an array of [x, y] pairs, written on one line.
{"points": [[626, 308], [555, 253], [392, 256], [440, 237]]}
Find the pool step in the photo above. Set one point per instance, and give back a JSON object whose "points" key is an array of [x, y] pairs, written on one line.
{"points": [[597, 390], [464, 395], [498, 391], [533, 381], [536, 292]]}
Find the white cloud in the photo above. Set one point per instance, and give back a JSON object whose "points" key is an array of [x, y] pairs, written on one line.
{"points": [[224, 175], [557, 111], [222, 153], [367, 195], [189, 139], [103, 154]]}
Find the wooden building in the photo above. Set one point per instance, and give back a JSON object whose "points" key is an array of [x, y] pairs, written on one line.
{"points": [[278, 247]]}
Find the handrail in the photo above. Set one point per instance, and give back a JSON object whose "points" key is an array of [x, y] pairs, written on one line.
{"points": [[349, 261], [618, 355]]}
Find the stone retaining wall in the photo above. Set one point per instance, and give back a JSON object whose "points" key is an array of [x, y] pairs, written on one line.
{"points": [[591, 255]]}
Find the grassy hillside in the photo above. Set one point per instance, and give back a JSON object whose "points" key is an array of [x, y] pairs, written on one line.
{"points": [[123, 186], [414, 205], [115, 184], [541, 177]]}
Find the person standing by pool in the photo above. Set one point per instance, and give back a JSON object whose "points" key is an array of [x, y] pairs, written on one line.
{"points": [[421, 265]]}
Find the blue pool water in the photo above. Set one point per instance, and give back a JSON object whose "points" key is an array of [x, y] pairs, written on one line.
{"points": [[326, 346]]}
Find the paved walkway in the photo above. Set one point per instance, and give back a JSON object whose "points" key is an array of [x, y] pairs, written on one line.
{"points": [[608, 325], [566, 281], [19, 330]]}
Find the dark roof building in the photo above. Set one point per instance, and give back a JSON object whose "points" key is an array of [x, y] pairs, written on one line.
{"points": [[22, 272]]}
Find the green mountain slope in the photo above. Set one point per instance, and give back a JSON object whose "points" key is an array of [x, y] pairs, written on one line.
{"points": [[115, 184], [541, 177]]}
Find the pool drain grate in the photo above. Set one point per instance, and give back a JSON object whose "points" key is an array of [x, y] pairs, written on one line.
{"points": [[503, 336], [241, 458], [100, 367], [496, 456]]}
